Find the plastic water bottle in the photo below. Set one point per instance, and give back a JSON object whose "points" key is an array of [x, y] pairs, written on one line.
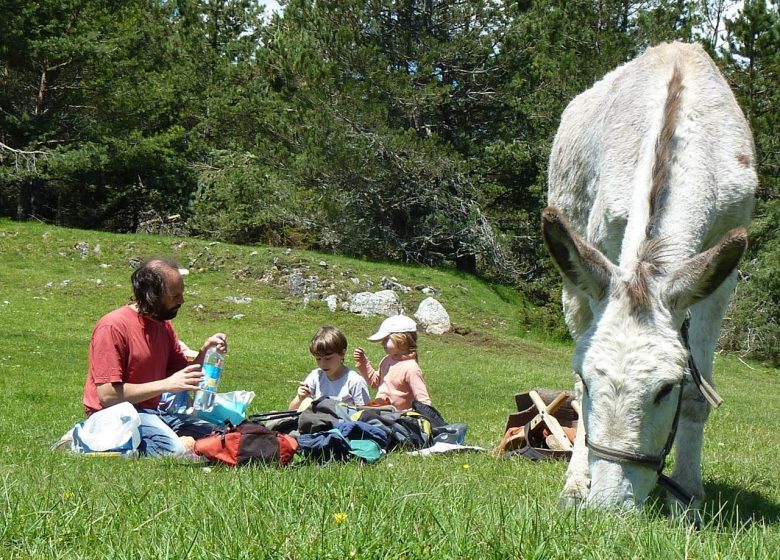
{"points": [[176, 403], [212, 370]]}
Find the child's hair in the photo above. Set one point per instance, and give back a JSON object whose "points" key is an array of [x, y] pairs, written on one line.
{"points": [[328, 340], [406, 342]]}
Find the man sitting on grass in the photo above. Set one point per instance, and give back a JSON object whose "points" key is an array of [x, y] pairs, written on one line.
{"points": [[135, 356]]}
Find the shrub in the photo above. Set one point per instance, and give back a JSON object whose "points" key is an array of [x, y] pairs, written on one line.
{"points": [[753, 324]]}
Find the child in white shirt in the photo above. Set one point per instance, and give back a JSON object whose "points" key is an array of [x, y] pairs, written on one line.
{"points": [[331, 378]]}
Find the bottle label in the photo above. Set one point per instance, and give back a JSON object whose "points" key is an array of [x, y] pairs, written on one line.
{"points": [[211, 377]]}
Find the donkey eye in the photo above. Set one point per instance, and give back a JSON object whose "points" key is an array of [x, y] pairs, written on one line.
{"points": [[665, 390]]}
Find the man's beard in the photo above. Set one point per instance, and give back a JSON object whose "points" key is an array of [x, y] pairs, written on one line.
{"points": [[165, 314]]}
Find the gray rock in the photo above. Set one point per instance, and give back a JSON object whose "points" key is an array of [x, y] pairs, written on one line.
{"points": [[333, 302], [323, 264], [83, 249], [355, 281], [238, 316], [295, 283], [432, 316], [384, 302], [240, 300], [428, 290], [393, 284]]}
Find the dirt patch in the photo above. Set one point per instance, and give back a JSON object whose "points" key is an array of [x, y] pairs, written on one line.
{"points": [[465, 335]]}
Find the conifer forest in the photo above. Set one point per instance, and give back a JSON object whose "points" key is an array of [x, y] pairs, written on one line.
{"points": [[415, 131]]}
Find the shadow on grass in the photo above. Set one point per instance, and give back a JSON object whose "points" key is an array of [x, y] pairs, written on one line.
{"points": [[729, 506], [726, 508]]}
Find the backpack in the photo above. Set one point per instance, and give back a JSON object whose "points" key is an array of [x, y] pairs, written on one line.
{"points": [[430, 413], [408, 429], [246, 443], [412, 430], [283, 421]]}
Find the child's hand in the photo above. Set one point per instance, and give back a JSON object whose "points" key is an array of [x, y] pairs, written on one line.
{"points": [[303, 391], [359, 356]]}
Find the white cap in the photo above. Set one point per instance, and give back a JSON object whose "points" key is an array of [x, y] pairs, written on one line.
{"points": [[394, 324]]}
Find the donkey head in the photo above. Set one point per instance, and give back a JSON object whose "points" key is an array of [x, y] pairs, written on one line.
{"points": [[631, 358]]}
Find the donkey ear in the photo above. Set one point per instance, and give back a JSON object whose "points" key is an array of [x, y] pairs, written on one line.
{"points": [[580, 263], [701, 275]]}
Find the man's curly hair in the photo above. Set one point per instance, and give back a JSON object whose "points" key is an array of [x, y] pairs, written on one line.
{"points": [[149, 284]]}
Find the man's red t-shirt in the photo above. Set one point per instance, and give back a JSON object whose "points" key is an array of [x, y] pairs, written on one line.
{"points": [[129, 348]]}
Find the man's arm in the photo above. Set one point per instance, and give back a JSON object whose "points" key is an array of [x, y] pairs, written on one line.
{"points": [[186, 379]]}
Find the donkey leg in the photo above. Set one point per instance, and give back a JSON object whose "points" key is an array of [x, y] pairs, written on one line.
{"points": [[577, 313], [688, 443], [575, 490], [706, 319]]}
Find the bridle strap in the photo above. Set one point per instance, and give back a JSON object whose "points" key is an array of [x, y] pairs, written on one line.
{"points": [[655, 462], [707, 390], [680, 493]]}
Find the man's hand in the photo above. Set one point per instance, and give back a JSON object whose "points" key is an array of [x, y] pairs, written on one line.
{"points": [[218, 340], [187, 379]]}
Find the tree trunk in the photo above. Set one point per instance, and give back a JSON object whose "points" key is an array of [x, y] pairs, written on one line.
{"points": [[24, 201]]}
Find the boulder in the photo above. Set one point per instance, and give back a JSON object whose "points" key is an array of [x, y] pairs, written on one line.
{"points": [[384, 302], [432, 316], [332, 301]]}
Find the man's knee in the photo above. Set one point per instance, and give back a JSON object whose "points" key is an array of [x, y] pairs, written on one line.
{"points": [[157, 438]]}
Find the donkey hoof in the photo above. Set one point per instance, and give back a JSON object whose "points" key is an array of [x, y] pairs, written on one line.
{"points": [[574, 492], [690, 513]]}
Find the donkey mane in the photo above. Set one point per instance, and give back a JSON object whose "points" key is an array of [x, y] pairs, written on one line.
{"points": [[652, 263], [651, 258]]}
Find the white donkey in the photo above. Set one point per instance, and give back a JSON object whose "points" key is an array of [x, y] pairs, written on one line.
{"points": [[651, 183]]}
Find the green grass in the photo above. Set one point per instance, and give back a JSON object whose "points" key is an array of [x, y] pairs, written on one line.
{"points": [[55, 505]]}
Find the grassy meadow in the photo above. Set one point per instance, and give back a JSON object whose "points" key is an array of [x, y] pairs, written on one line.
{"points": [[58, 505]]}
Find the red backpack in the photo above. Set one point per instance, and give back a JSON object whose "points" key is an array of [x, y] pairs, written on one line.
{"points": [[248, 443]]}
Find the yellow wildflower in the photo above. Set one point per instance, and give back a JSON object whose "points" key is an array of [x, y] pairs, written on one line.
{"points": [[339, 517]]}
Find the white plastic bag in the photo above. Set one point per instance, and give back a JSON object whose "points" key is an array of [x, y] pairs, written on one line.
{"points": [[111, 429]]}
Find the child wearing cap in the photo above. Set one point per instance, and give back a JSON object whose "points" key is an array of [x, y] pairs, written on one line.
{"points": [[331, 378], [399, 378]]}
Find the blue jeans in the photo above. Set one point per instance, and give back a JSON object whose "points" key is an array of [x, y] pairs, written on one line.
{"points": [[160, 432]]}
